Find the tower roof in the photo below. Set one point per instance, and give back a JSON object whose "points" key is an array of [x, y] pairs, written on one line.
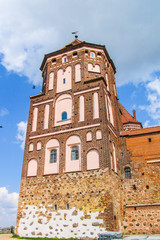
{"points": [[75, 44], [127, 117]]}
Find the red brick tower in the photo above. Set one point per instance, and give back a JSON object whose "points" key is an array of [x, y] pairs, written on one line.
{"points": [[70, 184]]}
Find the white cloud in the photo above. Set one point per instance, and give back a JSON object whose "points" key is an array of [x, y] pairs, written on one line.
{"points": [[21, 135], [8, 207], [153, 97], [3, 112], [146, 124], [29, 29]]}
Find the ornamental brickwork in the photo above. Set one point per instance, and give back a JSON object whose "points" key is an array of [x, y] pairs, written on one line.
{"points": [[76, 153]]}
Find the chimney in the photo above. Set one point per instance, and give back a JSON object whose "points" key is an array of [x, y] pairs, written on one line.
{"points": [[134, 114]]}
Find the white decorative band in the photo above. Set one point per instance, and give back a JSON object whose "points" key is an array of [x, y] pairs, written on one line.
{"points": [[112, 131], [105, 91], [88, 90], [143, 205], [154, 161], [39, 103], [64, 131]]}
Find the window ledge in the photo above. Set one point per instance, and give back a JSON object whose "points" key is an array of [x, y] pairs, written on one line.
{"points": [[64, 120]]}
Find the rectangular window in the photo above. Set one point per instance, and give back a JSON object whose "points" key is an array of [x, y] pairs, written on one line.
{"points": [[53, 156], [55, 207], [75, 153], [67, 206], [64, 80]]}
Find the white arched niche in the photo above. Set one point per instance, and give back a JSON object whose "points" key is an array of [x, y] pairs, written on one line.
{"points": [[51, 165], [63, 107], [73, 154], [64, 79], [92, 159], [32, 168], [78, 72], [51, 81]]}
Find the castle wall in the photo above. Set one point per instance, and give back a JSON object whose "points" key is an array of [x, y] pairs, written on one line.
{"points": [[141, 193], [87, 203]]}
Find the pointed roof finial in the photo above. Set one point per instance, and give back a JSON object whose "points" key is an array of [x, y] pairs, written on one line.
{"points": [[75, 34]]}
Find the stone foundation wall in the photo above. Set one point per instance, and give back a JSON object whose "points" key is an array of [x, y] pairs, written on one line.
{"points": [[141, 200], [142, 220], [93, 199]]}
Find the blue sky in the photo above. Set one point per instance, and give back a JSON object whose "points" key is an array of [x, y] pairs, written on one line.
{"points": [[29, 29]]}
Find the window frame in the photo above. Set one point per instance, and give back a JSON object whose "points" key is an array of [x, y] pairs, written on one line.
{"points": [[74, 152], [53, 153], [64, 116], [127, 171], [92, 55]]}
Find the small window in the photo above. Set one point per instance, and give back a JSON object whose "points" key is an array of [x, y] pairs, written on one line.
{"points": [[67, 206], [86, 51], [75, 153], [54, 60], [149, 140], [92, 55], [75, 54], [64, 116], [55, 207], [64, 80], [99, 54], [127, 173], [53, 156], [64, 59]]}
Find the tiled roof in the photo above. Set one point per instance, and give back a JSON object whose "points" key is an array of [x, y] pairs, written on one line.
{"points": [[141, 131], [73, 43], [126, 116]]}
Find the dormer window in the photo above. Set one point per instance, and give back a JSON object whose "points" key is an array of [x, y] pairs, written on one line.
{"points": [[92, 55], [64, 59], [75, 54], [54, 60]]}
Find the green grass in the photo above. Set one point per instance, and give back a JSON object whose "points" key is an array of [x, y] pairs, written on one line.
{"points": [[28, 238], [4, 233]]}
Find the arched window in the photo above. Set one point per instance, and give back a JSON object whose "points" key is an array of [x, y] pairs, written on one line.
{"points": [[92, 55], [51, 165], [75, 153], [64, 115], [127, 171]]}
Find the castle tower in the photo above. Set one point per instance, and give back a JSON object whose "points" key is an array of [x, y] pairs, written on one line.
{"points": [[70, 177]]}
